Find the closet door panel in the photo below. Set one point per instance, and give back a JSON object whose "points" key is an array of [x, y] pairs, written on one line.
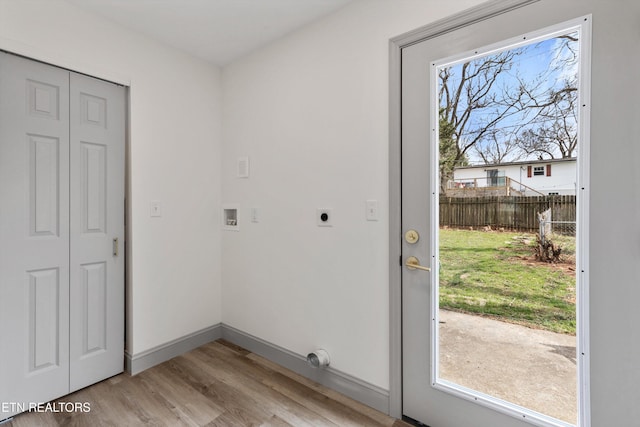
{"points": [[97, 230], [34, 232]]}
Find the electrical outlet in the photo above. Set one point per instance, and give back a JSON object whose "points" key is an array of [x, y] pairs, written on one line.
{"points": [[324, 217]]}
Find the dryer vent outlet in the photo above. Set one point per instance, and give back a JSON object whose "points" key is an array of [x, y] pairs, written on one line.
{"points": [[318, 359]]}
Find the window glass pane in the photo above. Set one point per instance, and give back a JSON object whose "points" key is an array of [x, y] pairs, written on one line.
{"points": [[506, 289]]}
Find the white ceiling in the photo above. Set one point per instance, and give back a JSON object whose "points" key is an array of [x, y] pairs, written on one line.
{"points": [[218, 31]]}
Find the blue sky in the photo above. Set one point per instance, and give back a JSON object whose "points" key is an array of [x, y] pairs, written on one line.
{"points": [[544, 65]]}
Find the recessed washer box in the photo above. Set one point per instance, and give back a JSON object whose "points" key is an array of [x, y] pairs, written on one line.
{"points": [[230, 217]]}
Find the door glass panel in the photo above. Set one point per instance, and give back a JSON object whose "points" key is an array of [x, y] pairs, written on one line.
{"points": [[505, 299]]}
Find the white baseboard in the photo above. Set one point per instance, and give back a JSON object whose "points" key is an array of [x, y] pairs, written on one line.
{"points": [[362, 391], [346, 384], [134, 364]]}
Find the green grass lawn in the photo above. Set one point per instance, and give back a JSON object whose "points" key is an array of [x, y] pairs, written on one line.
{"points": [[494, 274]]}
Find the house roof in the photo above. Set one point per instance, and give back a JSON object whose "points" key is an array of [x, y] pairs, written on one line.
{"points": [[526, 162]]}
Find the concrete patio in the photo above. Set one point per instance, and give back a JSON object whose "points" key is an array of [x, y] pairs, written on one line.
{"points": [[532, 368]]}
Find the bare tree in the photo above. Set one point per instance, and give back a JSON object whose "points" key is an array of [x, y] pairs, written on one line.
{"points": [[498, 148], [554, 130], [472, 104], [493, 108]]}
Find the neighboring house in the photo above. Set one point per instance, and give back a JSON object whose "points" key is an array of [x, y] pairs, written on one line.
{"points": [[528, 178]]}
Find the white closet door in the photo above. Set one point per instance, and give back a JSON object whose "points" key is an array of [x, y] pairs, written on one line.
{"points": [[97, 123], [61, 232], [34, 232]]}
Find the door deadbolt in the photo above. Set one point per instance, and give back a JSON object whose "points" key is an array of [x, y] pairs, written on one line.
{"points": [[411, 236]]}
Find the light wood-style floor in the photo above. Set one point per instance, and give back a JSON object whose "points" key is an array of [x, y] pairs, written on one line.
{"points": [[218, 384]]}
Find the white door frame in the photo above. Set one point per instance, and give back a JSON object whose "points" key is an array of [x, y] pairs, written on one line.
{"points": [[467, 17]]}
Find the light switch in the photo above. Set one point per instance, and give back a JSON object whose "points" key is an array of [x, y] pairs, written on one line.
{"points": [[255, 215], [243, 167], [156, 209], [372, 210]]}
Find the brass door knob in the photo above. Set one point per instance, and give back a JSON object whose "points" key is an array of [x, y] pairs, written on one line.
{"points": [[413, 263]]}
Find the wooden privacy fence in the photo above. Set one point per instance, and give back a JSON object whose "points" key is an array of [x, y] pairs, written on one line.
{"points": [[509, 212]]}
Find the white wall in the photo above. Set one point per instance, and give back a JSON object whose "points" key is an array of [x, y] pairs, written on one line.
{"points": [[174, 156], [311, 112]]}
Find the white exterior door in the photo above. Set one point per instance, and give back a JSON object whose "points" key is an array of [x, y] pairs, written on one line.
{"points": [[61, 209], [423, 397]]}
